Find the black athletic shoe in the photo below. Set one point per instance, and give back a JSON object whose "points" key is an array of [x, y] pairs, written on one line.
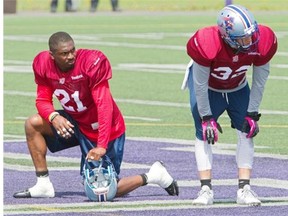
{"points": [[173, 189], [22, 194]]}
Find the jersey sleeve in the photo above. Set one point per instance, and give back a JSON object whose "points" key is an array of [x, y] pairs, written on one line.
{"points": [[44, 102], [39, 65], [267, 46], [204, 45], [104, 102]]}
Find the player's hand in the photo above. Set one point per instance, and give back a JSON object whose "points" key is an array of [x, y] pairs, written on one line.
{"points": [[96, 153], [250, 125], [210, 129], [63, 127]]}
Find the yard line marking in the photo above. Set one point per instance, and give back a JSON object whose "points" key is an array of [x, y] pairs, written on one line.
{"points": [[221, 148], [23, 156], [191, 144], [14, 136], [15, 66], [144, 102], [146, 205], [142, 118], [224, 151], [96, 39]]}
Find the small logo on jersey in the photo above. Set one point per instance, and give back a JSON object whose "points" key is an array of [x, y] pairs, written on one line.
{"points": [[62, 80], [95, 125], [254, 53], [195, 41], [98, 59], [235, 58], [76, 77]]}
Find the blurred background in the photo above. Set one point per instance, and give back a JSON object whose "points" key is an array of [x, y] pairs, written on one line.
{"points": [[14, 6]]}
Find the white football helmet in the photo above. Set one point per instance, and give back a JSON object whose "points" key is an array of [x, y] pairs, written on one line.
{"points": [[236, 22], [100, 180]]}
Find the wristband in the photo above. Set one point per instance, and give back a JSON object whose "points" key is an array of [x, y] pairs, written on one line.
{"points": [[52, 116], [254, 115]]}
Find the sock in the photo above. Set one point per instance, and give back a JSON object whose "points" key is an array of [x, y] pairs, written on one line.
{"points": [[243, 182], [43, 187], [42, 178], [206, 182], [42, 174], [144, 178]]}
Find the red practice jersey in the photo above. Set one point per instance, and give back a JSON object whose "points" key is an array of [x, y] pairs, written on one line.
{"points": [[83, 93], [227, 69]]}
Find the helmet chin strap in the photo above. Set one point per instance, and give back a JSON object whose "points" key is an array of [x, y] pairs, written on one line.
{"points": [[236, 47], [238, 50], [241, 48]]}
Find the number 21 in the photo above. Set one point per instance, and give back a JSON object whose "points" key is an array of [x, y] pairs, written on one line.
{"points": [[66, 98]]}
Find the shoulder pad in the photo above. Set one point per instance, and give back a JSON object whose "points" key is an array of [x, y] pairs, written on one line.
{"points": [[267, 45], [41, 62], [204, 45]]}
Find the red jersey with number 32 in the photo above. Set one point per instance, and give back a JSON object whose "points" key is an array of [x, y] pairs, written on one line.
{"points": [[99, 119], [227, 69]]}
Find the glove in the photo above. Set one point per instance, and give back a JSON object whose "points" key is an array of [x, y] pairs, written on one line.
{"points": [[250, 125], [210, 127]]}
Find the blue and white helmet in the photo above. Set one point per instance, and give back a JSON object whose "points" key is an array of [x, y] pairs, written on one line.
{"points": [[236, 22], [100, 181]]}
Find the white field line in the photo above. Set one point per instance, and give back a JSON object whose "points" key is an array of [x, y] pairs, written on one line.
{"points": [[121, 203], [137, 68], [222, 150], [146, 205], [183, 145], [17, 137], [261, 182], [21, 156], [98, 38], [144, 102], [142, 118], [145, 35], [218, 148], [96, 41]]}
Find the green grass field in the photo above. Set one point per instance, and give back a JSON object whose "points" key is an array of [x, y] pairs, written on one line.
{"points": [[147, 53]]}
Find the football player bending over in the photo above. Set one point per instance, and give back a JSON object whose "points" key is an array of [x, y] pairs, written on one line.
{"points": [[216, 77]]}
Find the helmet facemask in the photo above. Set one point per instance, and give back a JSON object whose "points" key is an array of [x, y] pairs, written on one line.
{"points": [[100, 181], [239, 44]]}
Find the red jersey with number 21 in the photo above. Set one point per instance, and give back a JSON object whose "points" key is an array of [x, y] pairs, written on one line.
{"points": [[83, 93]]}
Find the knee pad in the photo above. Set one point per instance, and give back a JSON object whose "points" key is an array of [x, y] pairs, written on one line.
{"points": [[245, 151], [203, 154]]}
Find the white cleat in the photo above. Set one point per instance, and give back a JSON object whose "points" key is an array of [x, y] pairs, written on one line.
{"points": [[160, 176], [246, 196], [205, 196]]}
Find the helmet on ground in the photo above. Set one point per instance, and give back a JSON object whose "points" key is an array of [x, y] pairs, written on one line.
{"points": [[100, 180], [236, 22]]}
